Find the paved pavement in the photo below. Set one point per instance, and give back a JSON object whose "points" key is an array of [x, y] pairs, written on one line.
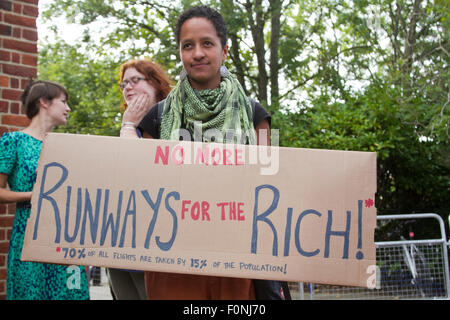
{"points": [[101, 292]]}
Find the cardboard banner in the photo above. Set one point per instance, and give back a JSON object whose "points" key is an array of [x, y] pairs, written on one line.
{"points": [[213, 209]]}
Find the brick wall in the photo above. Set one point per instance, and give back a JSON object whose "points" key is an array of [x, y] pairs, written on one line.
{"points": [[18, 63]]}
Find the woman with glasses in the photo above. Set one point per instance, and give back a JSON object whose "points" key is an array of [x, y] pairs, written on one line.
{"points": [[143, 83]]}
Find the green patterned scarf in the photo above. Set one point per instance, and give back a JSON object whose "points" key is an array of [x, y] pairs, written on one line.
{"points": [[226, 109]]}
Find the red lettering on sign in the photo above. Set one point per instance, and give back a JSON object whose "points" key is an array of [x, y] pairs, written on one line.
{"points": [[196, 209], [235, 211], [164, 156], [183, 208]]}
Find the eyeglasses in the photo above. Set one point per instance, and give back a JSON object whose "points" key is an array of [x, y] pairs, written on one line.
{"points": [[133, 81]]}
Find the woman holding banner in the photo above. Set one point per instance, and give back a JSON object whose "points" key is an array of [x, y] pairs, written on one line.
{"points": [[46, 106], [208, 96], [143, 83]]}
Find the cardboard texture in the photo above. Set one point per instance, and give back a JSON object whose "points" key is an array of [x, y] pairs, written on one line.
{"points": [[187, 207]]}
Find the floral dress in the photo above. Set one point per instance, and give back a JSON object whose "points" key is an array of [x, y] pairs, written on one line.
{"points": [[19, 155]]}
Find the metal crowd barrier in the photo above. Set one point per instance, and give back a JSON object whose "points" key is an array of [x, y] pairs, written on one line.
{"points": [[407, 269]]}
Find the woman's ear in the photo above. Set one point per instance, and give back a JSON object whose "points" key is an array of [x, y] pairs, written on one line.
{"points": [[225, 53], [44, 103]]}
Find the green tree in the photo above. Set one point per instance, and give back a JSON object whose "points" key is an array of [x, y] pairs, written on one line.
{"points": [[92, 84], [147, 27], [364, 75], [401, 112]]}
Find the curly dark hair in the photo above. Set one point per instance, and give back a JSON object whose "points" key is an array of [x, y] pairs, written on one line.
{"points": [[203, 12]]}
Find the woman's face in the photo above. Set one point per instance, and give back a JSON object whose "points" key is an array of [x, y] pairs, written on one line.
{"points": [[136, 85], [201, 53], [58, 110]]}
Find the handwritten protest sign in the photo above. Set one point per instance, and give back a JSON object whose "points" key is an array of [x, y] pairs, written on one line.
{"points": [[230, 210]]}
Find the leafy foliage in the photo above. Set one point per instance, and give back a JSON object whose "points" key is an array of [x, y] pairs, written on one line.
{"points": [[94, 96], [359, 75]]}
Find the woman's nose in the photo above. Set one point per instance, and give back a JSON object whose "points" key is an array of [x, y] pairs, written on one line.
{"points": [[198, 52], [127, 86]]}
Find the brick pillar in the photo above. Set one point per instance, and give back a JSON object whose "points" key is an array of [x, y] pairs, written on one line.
{"points": [[18, 63]]}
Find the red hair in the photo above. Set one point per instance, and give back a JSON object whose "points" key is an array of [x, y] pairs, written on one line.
{"points": [[153, 72]]}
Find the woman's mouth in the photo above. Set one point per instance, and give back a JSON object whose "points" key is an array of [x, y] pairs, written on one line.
{"points": [[199, 65]]}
